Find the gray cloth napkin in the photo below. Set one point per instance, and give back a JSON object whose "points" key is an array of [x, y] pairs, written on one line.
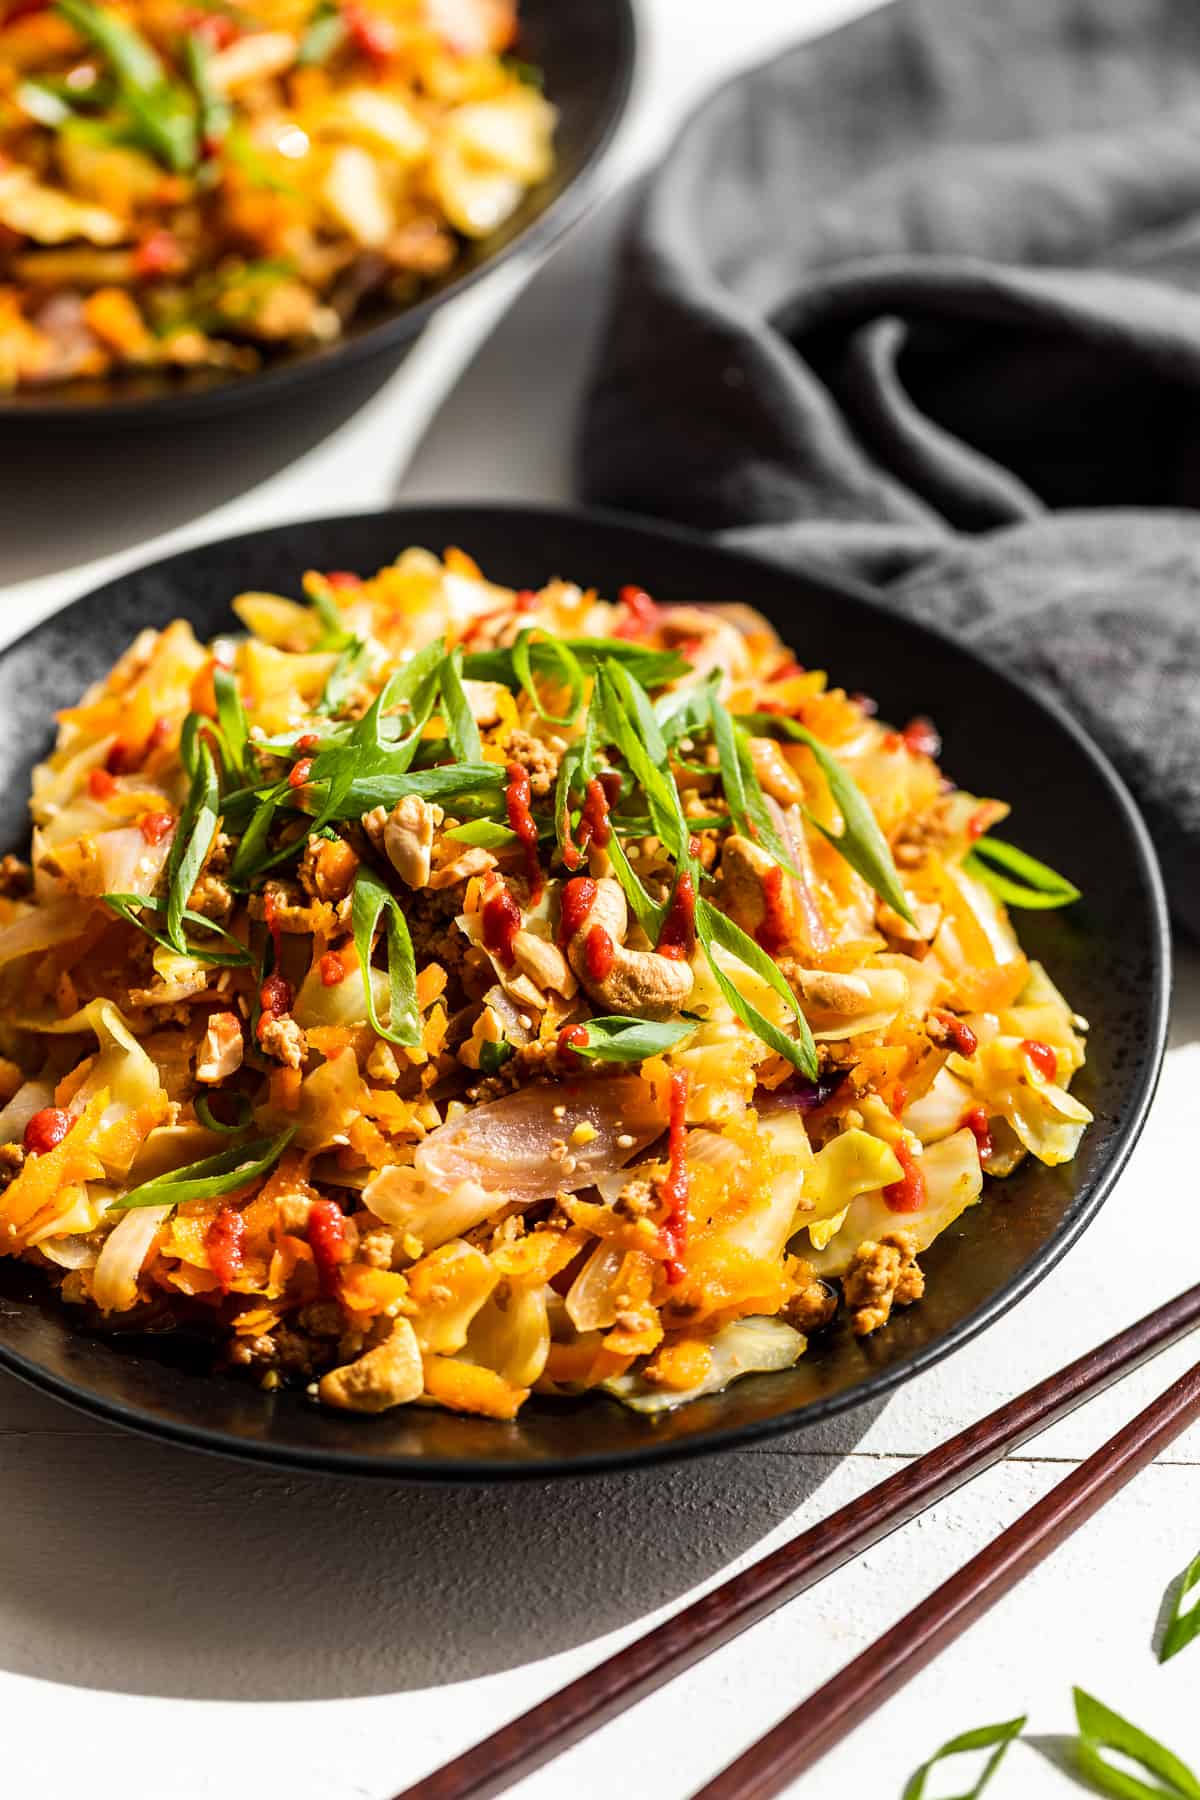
{"points": [[922, 299]]}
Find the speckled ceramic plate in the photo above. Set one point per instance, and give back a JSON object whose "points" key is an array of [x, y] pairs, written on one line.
{"points": [[586, 54], [1110, 953]]}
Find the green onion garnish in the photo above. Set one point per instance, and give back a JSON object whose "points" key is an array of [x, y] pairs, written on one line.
{"points": [[224, 1173], [1037, 888], [996, 1738]]}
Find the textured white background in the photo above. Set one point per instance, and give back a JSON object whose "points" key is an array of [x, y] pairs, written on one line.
{"points": [[173, 1627]]}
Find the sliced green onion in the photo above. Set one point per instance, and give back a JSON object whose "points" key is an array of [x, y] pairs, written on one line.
{"points": [[629, 722], [324, 33], [130, 907], [461, 728], [995, 1738], [210, 1121], [249, 856], [1102, 1729], [1183, 1626], [231, 718], [649, 913], [743, 791], [161, 113], [564, 667], [488, 834], [1038, 888], [342, 677], [223, 1173], [860, 840], [371, 899], [191, 844], [713, 927], [493, 1056], [625, 1040], [651, 667]]}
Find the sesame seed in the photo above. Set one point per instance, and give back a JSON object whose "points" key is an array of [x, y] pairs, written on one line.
{"points": [[626, 1141]]}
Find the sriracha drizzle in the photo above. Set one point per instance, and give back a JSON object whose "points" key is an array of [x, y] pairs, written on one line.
{"points": [[1042, 1057], [976, 1122], [599, 953], [575, 904], [520, 819], [772, 931], [501, 918], [225, 1242], [675, 938], [327, 1241], [907, 1194], [675, 1189]]}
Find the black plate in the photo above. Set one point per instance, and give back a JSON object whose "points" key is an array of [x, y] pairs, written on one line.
{"points": [[586, 52], [1110, 954]]}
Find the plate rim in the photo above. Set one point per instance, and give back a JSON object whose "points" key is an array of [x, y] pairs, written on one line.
{"points": [[878, 1385], [281, 380]]}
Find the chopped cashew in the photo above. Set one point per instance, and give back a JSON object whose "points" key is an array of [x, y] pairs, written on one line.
{"points": [[222, 1049], [389, 1375], [776, 775], [640, 982], [836, 993], [744, 867], [544, 963], [408, 838]]}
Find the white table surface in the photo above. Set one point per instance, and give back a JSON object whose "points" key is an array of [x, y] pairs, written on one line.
{"points": [[173, 1626]]}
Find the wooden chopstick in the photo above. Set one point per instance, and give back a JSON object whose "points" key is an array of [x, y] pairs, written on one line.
{"points": [[552, 1726], [863, 1685]]}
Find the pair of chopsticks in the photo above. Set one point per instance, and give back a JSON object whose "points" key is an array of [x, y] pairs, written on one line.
{"points": [[821, 1721]]}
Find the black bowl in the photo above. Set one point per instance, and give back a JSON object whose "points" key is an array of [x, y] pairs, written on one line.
{"points": [[586, 52], [1110, 953]]}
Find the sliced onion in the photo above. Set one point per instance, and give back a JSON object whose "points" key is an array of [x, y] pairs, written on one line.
{"points": [[40, 929], [591, 1299], [29, 1098], [508, 1145], [114, 1285]]}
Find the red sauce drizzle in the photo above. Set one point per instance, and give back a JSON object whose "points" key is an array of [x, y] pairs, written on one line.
{"points": [[309, 741], [300, 772], [599, 953], [908, 1194], [675, 938], [46, 1129], [225, 1242], [1042, 1057], [772, 931], [921, 736], [593, 820], [342, 578], [271, 919], [787, 670], [594, 827], [978, 822], [641, 614], [327, 1241], [675, 1189], [574, 906], [959, 1032], [101, 784], [501, 922], [899, 1099], [333, 969], [976, 1122], [520, 819], [155, 826], [568, 1037]]}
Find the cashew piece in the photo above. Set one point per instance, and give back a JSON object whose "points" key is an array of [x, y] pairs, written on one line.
{"points": [[775, 773], [640, 981], [408, 838], [544, 963], [389, 1375], [744, 868], [222, 1049]]}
